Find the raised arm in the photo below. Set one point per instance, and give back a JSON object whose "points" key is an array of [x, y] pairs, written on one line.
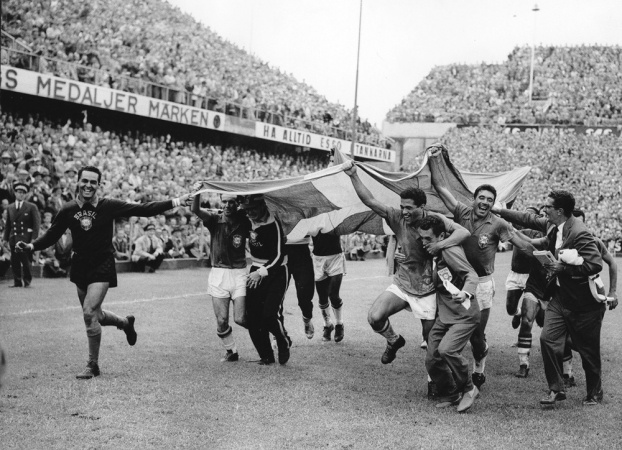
{"points": [[364, 194], [456, 235], [437, 181]]}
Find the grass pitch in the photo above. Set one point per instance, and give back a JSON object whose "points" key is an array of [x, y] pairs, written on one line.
{"points": [[172, 391]]}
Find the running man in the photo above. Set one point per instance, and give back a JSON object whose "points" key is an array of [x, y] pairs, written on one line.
{"points": [[455, 281], [487, 230], [91, 221], [413, 286], [329, 265], [267, 281], [227, 278]]}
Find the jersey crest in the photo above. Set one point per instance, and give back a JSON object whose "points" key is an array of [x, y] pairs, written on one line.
{"points": [[444, 274], [85, 218], [483, 240], [237, 241]]}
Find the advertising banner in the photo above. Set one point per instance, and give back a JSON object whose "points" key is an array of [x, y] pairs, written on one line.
{"points": [[318, 141], [49, 86]]}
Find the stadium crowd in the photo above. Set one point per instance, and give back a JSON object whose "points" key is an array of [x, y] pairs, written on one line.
{"points": [[151, 48], [588, 165], [572, 85], [47, 156]]}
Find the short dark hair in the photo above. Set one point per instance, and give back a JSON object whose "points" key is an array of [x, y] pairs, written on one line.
{"points": [[415, 194], [563, 200], [434, 223], [91, 169], [579, 213], [485, 187]]}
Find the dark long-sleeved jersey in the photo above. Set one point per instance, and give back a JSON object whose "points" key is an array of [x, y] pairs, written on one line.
{"points": [[267, 245], [92, 225]]}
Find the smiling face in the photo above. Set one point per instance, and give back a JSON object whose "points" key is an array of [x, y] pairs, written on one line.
{"points": [[410, 212], [483, 203], [88, 185]]}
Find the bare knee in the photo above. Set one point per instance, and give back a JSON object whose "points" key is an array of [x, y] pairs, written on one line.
{"points": [[241, 321], [376, 319]]}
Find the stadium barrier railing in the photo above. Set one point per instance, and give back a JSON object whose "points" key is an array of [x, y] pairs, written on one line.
{"points": [[101, 77]]}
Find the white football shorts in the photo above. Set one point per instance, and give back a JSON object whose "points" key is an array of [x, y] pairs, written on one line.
{"points": [[421, 307], [227, 283], [329, 266], [516, 281]]}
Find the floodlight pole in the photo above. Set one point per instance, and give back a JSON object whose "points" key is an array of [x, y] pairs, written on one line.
{"points": [[356, 84], [533, 54]]}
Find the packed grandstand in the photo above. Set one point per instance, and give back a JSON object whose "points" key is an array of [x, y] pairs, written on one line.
{"points": [[150, 48]]}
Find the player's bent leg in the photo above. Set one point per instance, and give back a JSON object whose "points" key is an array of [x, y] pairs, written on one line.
{"points": [[91, 298], [529, 310], [336, 302], [387, 304], [223, 329], [511, 301]]}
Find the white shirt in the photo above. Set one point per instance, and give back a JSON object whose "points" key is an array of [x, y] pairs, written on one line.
{"points": [[560, 233]]}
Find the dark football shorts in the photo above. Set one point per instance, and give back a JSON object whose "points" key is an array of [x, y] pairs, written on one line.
{"points": [[91, 269]]}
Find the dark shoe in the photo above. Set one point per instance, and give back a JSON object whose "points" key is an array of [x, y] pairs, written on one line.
{"points": [[449, 400], [432, 390], [327, 332], [553, 397], [151, 270], [91, 371], [231, 356], [389, 353], [523, 371], [569, 381], [16, 285], [283, 355], [266, 361], [468, 398], [283, 349], [339, 332], [309, 329], [478, 379], [130, 332], [516, 321]]}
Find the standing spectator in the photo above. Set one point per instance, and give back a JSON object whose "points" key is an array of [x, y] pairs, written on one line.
{"points": [[22, 225]]}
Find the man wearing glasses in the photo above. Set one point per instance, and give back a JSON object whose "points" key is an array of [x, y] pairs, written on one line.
{"points": [[572, 309], [22, 225]]}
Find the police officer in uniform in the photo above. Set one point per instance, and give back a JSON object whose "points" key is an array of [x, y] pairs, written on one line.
{"points": [[23, 220]]}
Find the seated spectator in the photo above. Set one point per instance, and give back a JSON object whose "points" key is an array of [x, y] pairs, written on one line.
{"points": [[178, 250], [148, 251], [121, 244]]}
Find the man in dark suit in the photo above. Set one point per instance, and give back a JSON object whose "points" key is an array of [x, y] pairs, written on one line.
{"points": [[22, 224], [572, 309]]}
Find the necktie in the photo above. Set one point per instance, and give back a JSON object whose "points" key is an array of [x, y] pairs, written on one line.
{"points": [[553, 240], [19, 205], [151, 247]]}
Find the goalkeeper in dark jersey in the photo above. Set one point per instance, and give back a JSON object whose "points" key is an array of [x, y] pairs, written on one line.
{"points": [[91, 219]]}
